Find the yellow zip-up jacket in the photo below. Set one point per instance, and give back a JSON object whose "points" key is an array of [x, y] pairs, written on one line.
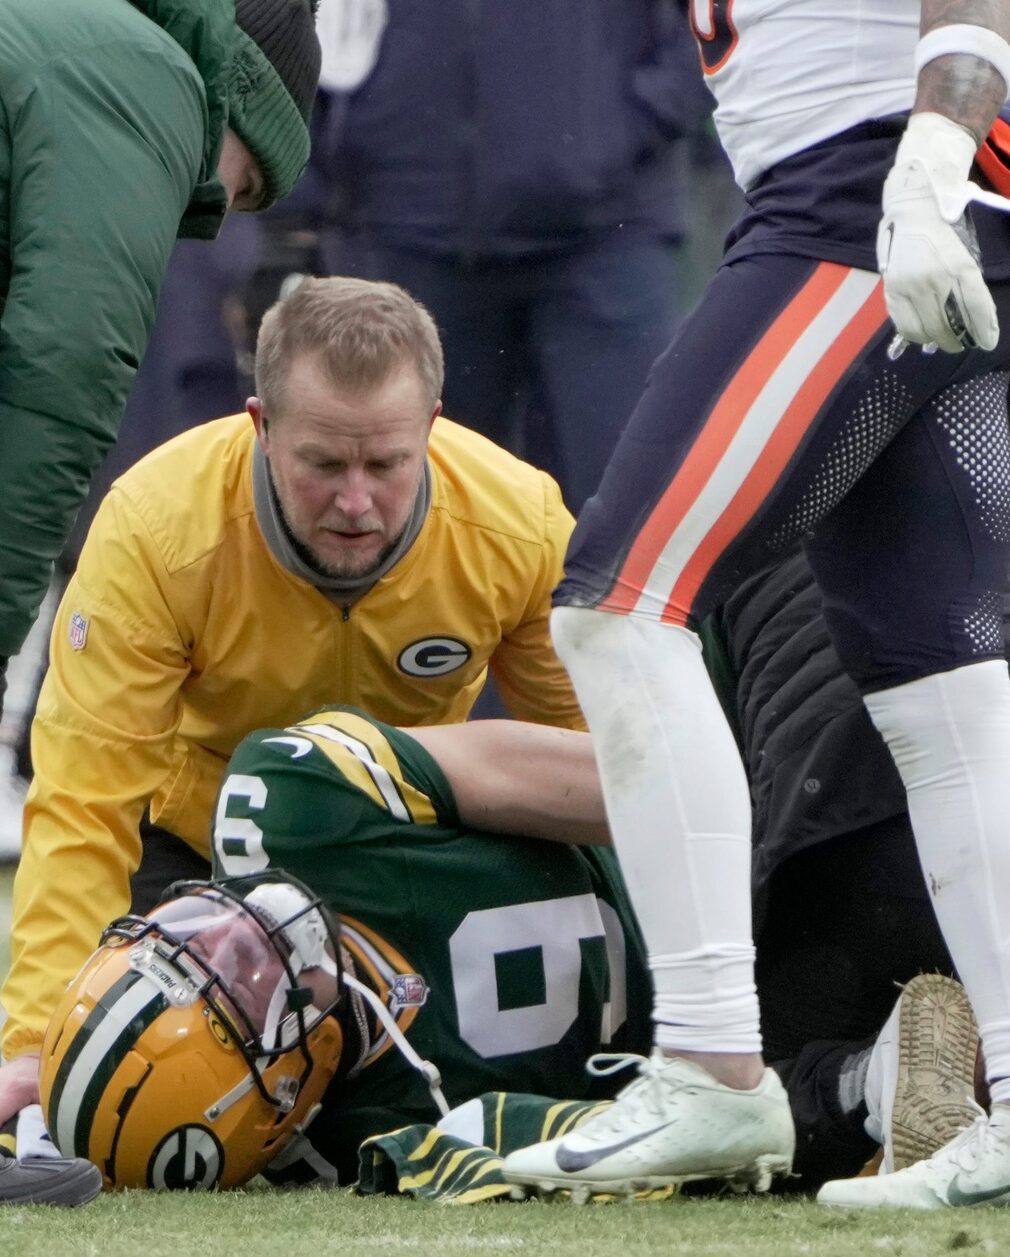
{"points": [[181, 632]]}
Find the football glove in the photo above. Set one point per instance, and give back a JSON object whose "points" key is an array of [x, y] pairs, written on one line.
{"points": [[926, 246]]}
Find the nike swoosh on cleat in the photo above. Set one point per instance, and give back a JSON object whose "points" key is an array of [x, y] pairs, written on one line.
{"points": [[957, 1196], [570, 1161]]}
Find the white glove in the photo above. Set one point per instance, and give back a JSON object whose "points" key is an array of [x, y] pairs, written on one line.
{"points": [[926, 247]]}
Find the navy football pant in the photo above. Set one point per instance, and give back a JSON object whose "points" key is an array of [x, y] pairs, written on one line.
{"points": [[776, 415]]}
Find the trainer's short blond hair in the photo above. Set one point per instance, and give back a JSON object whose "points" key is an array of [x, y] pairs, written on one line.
{"points": [[360, 330]]}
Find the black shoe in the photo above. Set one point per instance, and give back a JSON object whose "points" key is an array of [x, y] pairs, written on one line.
{"points": [[48, 1181]]}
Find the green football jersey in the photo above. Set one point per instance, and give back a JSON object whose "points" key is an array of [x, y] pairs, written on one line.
{"points": [[507, 961]]}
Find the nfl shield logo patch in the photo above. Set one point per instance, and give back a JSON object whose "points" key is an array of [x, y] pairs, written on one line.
{"points": [[409, 990], [78, 631]]}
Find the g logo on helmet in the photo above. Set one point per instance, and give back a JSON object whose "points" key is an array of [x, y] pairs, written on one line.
{"points": [[188, 1157], [433, 656]]}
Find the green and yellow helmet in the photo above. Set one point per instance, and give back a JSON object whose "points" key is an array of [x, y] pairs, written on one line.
{"points": [[197, 1039]]}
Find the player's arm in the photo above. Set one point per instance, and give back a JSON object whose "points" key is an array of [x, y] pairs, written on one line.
{"points": [[926, 248], [964, 87], [511, 777]]}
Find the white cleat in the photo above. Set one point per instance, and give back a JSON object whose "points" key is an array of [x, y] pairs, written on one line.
{"points": [[673, 1124], [973, 1169], [920, 1083]]}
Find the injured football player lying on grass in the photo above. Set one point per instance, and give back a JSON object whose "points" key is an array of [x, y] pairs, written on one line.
{"points": [[374, 989], [467, 963]]}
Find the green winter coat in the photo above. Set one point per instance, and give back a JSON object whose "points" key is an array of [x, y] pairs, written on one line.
{"points": [[112, 118]]}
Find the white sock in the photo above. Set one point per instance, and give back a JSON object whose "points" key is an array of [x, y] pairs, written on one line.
{"points": [[32, 1138], [679, 811], [950, 738], [879, 1088], [465, 1121], [852, 1091]]}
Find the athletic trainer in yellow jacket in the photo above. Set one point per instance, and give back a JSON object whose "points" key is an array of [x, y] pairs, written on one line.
{"points": [[193, 619]]}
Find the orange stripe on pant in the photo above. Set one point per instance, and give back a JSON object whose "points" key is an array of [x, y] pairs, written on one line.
{"points": [[719, 430], [722, 426], [781, 446]]}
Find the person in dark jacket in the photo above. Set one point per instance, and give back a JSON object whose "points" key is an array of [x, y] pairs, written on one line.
{"points": [[516, 169], [125, 125]]}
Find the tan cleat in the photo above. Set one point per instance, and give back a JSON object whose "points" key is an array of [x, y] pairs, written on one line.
{"points": [[920, 1085]]}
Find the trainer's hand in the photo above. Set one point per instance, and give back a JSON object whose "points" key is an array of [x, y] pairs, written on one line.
{"points": [[926, 247], [19, 1085]]}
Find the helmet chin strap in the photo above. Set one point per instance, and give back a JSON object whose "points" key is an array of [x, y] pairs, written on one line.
{"points": [[277, 1018], [427, 1070], [285, 907]]}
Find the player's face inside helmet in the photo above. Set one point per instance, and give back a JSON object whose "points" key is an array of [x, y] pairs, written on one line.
{"points": [[266, 955], [239, 952], [198, 1038]]}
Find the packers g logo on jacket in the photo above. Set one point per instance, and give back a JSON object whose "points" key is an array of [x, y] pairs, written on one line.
{"points": [[195, 1040], [433, 656]]}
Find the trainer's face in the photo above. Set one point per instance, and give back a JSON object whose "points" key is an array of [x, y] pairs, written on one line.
{"points": [[346, 467]]}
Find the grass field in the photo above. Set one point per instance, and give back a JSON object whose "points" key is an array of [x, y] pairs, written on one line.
{"points": [[266, 1223]]}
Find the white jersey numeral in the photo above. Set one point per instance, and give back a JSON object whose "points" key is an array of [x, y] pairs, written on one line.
{"points": [[713, 28], [238, 841], [555, 927]]}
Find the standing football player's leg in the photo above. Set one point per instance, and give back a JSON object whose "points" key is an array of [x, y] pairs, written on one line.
{"points": [[738, 485], [633, 677], [921, 630], [913, 585], [782, 426], [950, 738]]}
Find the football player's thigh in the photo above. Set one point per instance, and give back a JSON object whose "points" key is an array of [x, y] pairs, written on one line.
{"points": [[745, 323], [912, 565], [720, 459]]}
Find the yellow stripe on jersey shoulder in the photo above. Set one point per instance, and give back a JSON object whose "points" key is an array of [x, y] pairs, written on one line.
{"points": [[362, 754]]}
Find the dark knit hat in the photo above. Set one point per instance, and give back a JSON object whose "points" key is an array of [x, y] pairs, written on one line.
{"points": [[273, 82]]}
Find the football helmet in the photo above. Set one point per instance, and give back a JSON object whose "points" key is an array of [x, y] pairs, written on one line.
{"points": [[197, 1039]]}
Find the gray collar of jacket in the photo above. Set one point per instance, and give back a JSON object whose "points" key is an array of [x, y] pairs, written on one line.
{"points": [[290, 556]]}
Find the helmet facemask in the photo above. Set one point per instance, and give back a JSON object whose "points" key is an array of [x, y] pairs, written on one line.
{"points": [[261, 951]]}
